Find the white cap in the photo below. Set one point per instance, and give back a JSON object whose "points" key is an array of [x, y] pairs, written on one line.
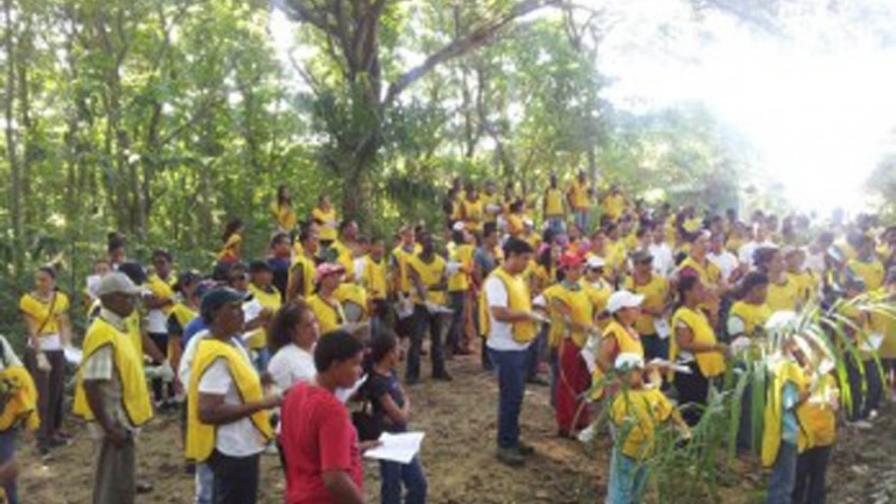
{"points": [[623, 299], [117, 282], [458, 226], [594, 261], [628, 360], [528, 222]]}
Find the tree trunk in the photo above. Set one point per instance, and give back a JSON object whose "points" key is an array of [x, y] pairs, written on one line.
{"points": [[11, 143]]}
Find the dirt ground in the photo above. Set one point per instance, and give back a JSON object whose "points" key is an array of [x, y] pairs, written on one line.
{"points": [[458, 456]]}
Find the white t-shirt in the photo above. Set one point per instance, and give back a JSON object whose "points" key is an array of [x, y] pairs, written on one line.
{"points": [[291, 364], [815, 263], [500, 335], [157, 322], [745, 252], [726, 262], [663, 261], [239, 438]]}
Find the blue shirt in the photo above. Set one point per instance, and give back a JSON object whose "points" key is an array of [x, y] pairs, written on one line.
{"points": [[196, 325], [790, 396]]}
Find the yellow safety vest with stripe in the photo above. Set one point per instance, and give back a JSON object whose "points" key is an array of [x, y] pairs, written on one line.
{"points": [[783, 372], [129, 366], [201, 436], [710, 363], [517, 299]]}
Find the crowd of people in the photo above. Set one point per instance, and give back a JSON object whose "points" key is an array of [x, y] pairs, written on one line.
{"points": [[609, 302]]}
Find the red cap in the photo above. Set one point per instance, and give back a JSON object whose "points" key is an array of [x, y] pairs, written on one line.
{"points": [[571, 260], [328, 269]]}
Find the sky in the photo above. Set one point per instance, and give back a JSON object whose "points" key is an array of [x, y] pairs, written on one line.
{"points": [[817, 104], [816, 100]]}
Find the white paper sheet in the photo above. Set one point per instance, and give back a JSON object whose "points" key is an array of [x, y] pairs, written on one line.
{"points": [[872, 343], [345, 394], [252, 309], [397, 447], [663, 330], [73, 355]]}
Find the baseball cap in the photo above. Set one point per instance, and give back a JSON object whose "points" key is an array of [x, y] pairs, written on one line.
{"points": [[595, 262], [623, 299], [217, 298], [571, 260], [116, 282], [458, 226], [628, 360], [328, 269]]}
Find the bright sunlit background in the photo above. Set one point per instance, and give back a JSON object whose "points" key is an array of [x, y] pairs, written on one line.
{"points": [[817, 100]]}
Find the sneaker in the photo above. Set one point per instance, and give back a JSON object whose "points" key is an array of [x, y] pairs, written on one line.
{"points": [[510, 457], [525, 449], [872, 415]]}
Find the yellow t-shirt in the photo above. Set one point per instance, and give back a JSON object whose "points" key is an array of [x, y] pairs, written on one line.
{"points": [[553, 203], [400, 273], [751, 317], [872, 272], [807, 282], [374, 278], [329, 314], [581, 311], [230, 252], [784, 297], [578, 195], [599, 293], [709, 273], [472, 212], [486, 200], [637, 413], [655, 293], [710, 363], [431, 274], [328, 231], [613, 206], [39, 311], [463, 254], [515, 225], [284, 216], [615, 251]]}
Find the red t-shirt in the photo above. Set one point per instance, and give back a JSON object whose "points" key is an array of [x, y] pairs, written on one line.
{"points": [[317, 435]]}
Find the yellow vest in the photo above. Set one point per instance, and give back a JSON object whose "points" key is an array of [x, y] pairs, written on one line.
{"points": [[230, 251], [553, 203], [771, 431], [581, 311], [162, 289], [346, 259], [637, 412], [431, 274], [818, 421], [306, 266], [806, 283], [872, 272], [271, 300], [710, 363], [517, 299], [463, 254], [625, 343], [578, 195], [21, 409], [655, 292], [472, 212], [200, 436], [352, 293], [283, 214], [783, 297], [752, 316], [374, 278], [613, 206], [401, 258], [709, 273], [129, 366], [329, 317], [328, 231]]}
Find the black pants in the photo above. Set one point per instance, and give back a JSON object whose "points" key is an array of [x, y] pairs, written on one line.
{"points": [[811, 466], [424, 321], [456, 329], [693, 389], [236, 479], [161, 391], [50, 390]]}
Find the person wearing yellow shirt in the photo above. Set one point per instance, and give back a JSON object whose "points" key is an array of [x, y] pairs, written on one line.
{"points": [[45, 311], [514, 219], [461, 254], [866, 264], [281, 209], [262, 290], [399, 281], [553, 207], [324, 304], [189, 291], [232, 242], [865, 381], [301, 273], [884, 323], [158, 305], [613, 204], [636, 411], [324, 215], [597, 287], [619, 336], [472, 210], [578, 197], [111, 392], [655, 289], [694, 344], [697, 263], [374, 277], [804, 278], [341, 250], [228, 419], [491, 202], [818, 419], [614, 252], [784, 293], [571, 305], [427, 272]]}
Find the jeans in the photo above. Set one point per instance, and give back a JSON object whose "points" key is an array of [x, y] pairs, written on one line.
{"points": [[7, 453], [423, 321], [783, 478], [262, 358], [863, 401], [536, 352], [205, 480], [655, 347], [160, 390], [581, 220], [456, 329], [394, 474], [511, 367], [557, 225], [235, 479], [811, 466], [627, 479]]}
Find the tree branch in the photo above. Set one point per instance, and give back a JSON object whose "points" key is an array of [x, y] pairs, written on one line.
{"points": [[477, 38]]}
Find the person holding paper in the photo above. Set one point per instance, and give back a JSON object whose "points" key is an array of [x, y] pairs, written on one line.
{"points": [[320, 444], [509, 324], [655, 290], [392, 407], [428, 284]]}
